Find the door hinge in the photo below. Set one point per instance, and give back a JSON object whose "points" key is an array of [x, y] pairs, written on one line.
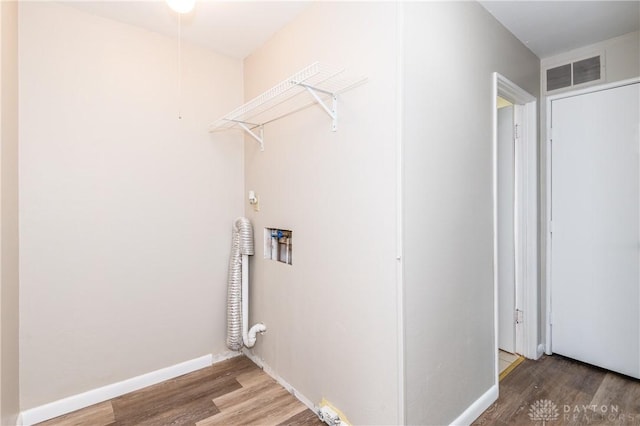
{"points": [[519, 316], [516, 132]]}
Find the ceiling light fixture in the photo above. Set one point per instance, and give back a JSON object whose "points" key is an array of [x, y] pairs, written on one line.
{"points": [[181, 6]]}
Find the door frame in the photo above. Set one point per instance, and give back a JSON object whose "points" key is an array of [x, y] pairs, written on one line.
{"points": [[547, 226], [506, 308], [526, 216]]}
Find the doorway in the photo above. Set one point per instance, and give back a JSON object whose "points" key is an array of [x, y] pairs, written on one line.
{"points": [[509, 284], [593, 283], [515, 223]]}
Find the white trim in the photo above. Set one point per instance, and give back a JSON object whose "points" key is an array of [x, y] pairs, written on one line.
{"points": [[519, 222], [597, 88], [546, 226], [511, 91], [530, 259], [271, 372], [95, 396], [478, 407], [540, 350], [527, 214], [494, 167]]}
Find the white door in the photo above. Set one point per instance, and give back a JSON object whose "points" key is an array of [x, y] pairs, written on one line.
{"points": [[505, 231], [595, 196]]}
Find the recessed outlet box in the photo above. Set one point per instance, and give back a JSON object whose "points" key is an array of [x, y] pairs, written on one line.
{"points": [[331, 415], [328, 416], [278, 245]]}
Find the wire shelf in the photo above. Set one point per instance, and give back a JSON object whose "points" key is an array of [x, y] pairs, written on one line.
{"points": [[321, 81]]}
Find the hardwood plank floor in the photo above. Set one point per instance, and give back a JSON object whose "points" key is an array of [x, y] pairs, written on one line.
{"points": [[560, 391], [237, 392], [232, 392]]}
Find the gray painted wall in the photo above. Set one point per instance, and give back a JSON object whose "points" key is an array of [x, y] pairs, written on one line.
{"points": [[451, 50], [9, 289], [125, 210], [331, 316]]}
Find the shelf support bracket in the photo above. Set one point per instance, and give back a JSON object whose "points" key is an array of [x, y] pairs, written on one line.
{"points": [[333, 111], [258, 137]]}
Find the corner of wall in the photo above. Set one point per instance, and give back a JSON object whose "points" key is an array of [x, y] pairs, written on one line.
{"points": [[9, 285]]}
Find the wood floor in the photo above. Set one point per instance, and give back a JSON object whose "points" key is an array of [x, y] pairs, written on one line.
{"points": [[552, 391], [559, 391], [232, 392]]}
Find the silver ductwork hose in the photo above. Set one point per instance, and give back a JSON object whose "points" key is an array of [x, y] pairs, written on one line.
{"points": [[241, 246]]}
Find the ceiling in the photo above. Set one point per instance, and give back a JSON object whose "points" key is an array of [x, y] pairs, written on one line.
{"points": [[236, 28], [233, 28], [551, 27]]}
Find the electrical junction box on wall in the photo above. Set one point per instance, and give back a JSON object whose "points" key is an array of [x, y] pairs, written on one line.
{"points": [[278, 245]]}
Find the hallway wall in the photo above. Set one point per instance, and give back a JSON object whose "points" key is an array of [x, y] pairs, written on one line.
{"points": [[451, 51]]}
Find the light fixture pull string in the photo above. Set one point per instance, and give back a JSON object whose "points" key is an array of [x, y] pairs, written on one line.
{"points": [[179, 66]]}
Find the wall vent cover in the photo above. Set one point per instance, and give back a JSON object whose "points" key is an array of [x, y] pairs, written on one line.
{"points": [[586, 70], [574, 73], [559, 77]]}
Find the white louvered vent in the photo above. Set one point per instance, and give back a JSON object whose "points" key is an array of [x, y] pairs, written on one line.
{"points": [[574, 73]]}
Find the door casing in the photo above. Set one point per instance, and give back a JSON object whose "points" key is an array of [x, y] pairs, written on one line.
{"points": [[508, 297], [526, 217]]}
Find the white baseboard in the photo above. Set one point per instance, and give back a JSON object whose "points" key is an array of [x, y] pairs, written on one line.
{"points": [[540, 351], [267, 369], [477, 408], [95, 396]]}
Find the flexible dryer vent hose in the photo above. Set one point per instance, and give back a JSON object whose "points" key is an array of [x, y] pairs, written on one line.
{"points": [[241, 247]]}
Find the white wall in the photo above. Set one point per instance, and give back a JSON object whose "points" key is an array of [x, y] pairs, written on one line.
{"points": [[125, 211], [9, 289], [331, 316], [451, 50], [622, 61]]}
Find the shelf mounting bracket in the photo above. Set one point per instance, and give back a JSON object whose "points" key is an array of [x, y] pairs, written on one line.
{"points": [[258, 137], [331, 111], [315, 84]]}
